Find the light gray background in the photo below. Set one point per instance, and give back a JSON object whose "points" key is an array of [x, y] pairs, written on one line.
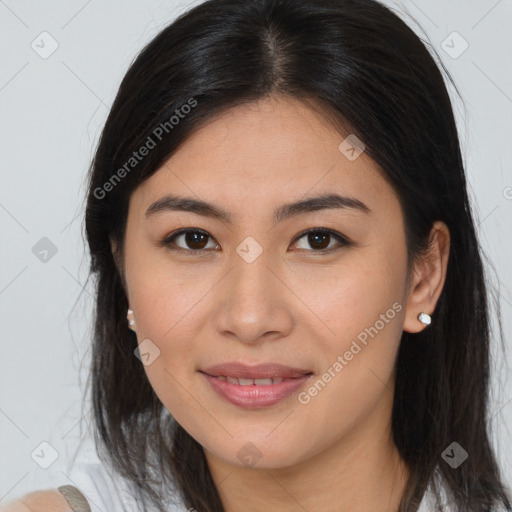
{"points": [[52, 110]]}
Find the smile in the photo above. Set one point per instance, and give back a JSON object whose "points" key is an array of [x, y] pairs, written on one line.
{"points": [[255, 393]]}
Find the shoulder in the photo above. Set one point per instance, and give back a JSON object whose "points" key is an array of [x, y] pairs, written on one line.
{"points": [[48, 500]]}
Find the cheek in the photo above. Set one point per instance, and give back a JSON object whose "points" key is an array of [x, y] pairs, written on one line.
{"points": [[166, 308], [353, 298], [362, 316], [169, 312], [162, 294]]}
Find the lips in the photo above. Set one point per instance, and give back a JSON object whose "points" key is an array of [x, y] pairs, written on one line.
{"points": [[241, 374], [255, 387]]}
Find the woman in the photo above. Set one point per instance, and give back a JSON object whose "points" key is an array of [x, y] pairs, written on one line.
{"points": [[291, 310]]}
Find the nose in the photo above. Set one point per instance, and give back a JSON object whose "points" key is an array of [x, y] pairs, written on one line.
{"points": [[253, 303]]}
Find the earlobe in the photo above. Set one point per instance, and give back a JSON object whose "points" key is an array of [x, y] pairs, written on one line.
{"points": [[429, 276]]}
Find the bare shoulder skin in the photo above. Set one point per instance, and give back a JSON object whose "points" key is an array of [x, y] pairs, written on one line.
{"points": [[50, 500]]}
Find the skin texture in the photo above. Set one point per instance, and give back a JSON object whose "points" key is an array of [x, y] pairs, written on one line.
{"points": [[291, 305], [50, 500]]}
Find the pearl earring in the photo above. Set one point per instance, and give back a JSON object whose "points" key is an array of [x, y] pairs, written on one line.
{"points": [[131, 321], [424, 318]]}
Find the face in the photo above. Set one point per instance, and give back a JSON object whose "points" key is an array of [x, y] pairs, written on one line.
{"points": [[258, 291]]}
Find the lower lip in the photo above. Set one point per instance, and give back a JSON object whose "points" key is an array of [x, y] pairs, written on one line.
{"points": [[253, 396]]}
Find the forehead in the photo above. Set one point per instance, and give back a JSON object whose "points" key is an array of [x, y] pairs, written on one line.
{"points": [[265, 153]]}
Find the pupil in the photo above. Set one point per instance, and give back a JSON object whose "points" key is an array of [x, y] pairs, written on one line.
{"points": [[316, 236], [191, 239]]}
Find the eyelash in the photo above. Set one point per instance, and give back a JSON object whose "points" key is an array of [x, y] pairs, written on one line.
{"points": [[344, 241]]}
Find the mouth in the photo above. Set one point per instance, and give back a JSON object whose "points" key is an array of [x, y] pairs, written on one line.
{"points": [[255, 387], [264, 372], [240, 381]]}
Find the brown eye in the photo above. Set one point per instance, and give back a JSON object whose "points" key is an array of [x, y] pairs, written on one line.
{"points": [[195, 241], [319, 240], [191, 241]]}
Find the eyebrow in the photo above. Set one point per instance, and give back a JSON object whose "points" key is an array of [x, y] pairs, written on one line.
{"points": [[285, 211]]}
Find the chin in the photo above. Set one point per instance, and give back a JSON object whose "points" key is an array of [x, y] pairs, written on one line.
{"points": [[259, 452]]}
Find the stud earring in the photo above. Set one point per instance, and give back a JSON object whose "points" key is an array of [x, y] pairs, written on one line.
{"points": [[131, 321], [424, 318]]}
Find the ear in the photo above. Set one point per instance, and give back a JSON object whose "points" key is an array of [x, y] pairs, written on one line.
{"points": [[428, 278], [115, 254], [118, 261]]}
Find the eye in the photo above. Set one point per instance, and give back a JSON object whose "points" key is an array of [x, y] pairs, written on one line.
{"points": [[195, 240], [320, 238]]}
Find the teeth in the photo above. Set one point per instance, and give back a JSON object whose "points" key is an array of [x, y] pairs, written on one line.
{"points": [[250, 382], [263, 382], [245, 382]]}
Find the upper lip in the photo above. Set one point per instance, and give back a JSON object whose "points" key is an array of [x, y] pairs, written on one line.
{"points": [[259, 371]]}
